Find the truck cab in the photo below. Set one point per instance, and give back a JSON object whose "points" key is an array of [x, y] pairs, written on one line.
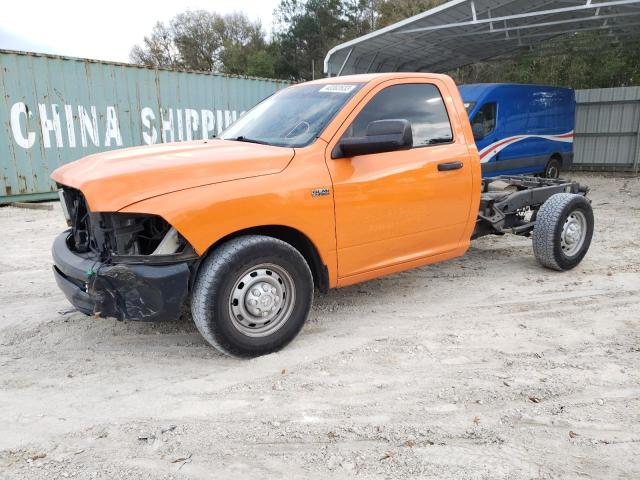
{"points": [[521, 129]]}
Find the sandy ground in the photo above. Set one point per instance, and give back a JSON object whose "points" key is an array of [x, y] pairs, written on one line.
{"points": [[486, 367]]}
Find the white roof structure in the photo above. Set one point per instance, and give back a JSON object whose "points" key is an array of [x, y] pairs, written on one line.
{"points": [[461, 32]]}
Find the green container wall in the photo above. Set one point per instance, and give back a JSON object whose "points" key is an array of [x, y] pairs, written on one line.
{"points": [[129, 102]]}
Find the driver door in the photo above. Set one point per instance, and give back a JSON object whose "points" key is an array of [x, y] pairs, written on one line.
{"points": [[398, 207]]}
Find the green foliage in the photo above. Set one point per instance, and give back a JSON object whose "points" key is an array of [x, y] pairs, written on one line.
{"points": [[198, 37], [244, 48], [305, 30], [207, 42], [361, 17], [392, 11], [157, 49], [588, 60]]}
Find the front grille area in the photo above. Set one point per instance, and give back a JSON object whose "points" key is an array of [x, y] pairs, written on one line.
{"points": [[110, 233]]}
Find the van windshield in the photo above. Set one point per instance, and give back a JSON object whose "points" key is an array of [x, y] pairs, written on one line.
{"points": [[293, 117]]}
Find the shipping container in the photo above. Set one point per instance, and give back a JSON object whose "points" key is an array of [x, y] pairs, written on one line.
{"points": [[57, 109]]}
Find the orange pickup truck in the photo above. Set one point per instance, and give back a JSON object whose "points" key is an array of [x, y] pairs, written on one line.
{"points": [[323, 184]]}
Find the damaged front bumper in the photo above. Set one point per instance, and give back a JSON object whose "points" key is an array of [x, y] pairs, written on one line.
{"points": [[147, 292]]}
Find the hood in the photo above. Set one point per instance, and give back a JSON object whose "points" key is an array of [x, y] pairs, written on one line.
{"points": [[112, 180]]}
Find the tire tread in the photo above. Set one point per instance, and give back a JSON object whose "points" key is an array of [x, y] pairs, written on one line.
{"points": [[545, 230], [210, 276]]}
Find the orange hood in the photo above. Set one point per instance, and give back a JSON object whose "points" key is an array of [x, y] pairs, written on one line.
{"points": [[112, 180]]}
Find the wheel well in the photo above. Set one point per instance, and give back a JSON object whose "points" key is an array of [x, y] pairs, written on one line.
{"points": [[297, 240], [556, 156]]}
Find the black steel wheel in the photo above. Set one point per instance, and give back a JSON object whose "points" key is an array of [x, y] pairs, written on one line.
{"points": [[252, 296]]}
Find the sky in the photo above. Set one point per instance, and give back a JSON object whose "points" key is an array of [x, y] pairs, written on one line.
{"points": [[103, 30]]}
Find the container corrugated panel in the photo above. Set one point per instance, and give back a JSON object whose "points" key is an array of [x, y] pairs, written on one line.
{"points": [[57, 109], [607, 134]]}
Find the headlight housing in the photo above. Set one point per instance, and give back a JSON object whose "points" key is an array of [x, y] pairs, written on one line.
{"points": [[120, 236], [133, 234]]}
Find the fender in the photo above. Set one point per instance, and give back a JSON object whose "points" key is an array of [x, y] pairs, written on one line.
{"points": [[204, 215]]}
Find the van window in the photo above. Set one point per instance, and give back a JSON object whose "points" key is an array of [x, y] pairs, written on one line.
{"points": [[420, 104], [487, 117]]}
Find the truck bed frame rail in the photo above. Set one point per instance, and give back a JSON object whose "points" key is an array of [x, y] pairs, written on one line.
{"points": [[509, 204]]}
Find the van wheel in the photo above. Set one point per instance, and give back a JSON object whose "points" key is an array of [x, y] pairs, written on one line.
{"points": [[563, 231], [252, 296], [552, 170]]}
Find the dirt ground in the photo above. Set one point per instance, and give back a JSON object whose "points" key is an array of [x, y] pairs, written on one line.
{"points": [[486, 367]]}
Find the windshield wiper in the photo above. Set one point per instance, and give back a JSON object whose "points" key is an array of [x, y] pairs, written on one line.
{"points": [[242, 138]]}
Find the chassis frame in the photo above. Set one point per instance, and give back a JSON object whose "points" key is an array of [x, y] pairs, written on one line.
{"points": [[509, 204]]}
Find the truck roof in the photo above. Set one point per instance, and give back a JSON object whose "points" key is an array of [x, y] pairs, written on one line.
{"points": [[368, 77]]}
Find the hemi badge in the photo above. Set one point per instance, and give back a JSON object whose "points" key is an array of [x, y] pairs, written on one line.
{"points": [[319, 192]]}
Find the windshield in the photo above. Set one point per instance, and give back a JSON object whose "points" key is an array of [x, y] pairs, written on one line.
{"points": [[293, 117]]}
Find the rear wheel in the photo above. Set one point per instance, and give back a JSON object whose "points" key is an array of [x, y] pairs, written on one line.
{"points": [[563, 231], [252, 296], [552, 170]]}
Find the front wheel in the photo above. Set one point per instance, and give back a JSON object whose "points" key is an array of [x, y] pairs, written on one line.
{"points": [[252, 296], [563, 231]]}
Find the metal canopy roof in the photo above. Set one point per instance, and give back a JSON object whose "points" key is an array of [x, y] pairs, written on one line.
{"points": [[461, 32]]}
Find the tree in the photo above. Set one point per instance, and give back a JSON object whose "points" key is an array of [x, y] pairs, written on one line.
{"points": [[245, 50], [588, 60], [198, 36], [208, 42], [306, 30], [392, 11], [361, 17], [157, 49]]}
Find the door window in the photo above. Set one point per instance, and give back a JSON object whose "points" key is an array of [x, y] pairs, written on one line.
{"points": [[486, 116], [420, 104]]}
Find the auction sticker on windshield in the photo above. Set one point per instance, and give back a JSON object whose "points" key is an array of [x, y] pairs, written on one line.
{"points": [[337, 88]]}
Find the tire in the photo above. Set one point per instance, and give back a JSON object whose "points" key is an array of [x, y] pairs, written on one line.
{"points": [[563, 231], [252, 296], [552, 170]]}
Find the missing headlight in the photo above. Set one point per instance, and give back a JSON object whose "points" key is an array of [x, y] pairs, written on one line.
{"points": [[125, 234], [169, 244]]}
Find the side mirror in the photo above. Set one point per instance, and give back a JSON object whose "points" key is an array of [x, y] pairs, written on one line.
{"points": [[478, 131], [381, 136]]}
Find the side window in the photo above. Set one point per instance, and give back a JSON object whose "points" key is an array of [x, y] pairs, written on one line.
{"points": [[487, 117], [421, 104]]}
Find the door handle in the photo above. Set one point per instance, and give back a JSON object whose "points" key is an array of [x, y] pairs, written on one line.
{"points": [[444, 167]]}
